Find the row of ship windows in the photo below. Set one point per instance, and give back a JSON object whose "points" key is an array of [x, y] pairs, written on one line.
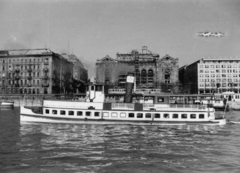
{"points": [[219, 66], [125, 115], [219, 71]]}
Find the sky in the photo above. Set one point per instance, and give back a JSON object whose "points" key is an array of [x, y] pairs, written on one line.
{"points": [[92, 29]]}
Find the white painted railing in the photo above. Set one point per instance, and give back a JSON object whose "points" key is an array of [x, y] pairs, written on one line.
{"points": [[128, 106]]}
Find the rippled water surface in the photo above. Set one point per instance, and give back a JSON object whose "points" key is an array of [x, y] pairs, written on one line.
{"points": [[88, 148]]}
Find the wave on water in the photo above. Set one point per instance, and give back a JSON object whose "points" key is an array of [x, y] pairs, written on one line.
{"points": [[113, 148]]}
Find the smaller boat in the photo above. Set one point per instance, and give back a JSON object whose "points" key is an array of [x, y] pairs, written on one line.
{"points": [[6, 104]]}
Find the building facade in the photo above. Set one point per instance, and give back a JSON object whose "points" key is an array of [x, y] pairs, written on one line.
{"points": [[79, 72], [150, 70], [34, 71], [211, 75], [80, 75]]}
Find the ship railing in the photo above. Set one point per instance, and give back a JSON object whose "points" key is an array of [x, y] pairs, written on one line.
{"points": [[128, 106], [188, 106], [137, 91], [148, 106], [173, 106]]}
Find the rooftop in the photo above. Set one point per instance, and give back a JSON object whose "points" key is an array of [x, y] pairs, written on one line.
{"points": [[221, 59], [25, 52]]}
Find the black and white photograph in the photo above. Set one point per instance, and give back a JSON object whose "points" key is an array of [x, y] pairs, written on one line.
{"points": [[119, 86]]}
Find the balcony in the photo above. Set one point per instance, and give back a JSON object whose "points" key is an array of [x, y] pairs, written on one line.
{"points": [[45, 77], [29, 77], [17, 77], [150, 74], [45, 85], [29, 70], [46, 62], [45, 70], [17, 70]]}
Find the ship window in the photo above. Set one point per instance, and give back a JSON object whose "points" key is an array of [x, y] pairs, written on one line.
{"points": [[96, 114], [166, 115], [47, 111], [175, 116], [70, 112], [193, 116], [201, 116], [123, 115], [62, 112], [139, 115], [184, 116], [148, 115], [156, 115], [54, 112], [114, 114], [105, 114], [160, 99], [99, 88], [88, 113], [131, 115], [79, 113]]}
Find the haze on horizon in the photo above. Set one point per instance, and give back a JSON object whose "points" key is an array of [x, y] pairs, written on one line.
{"points": [[92, 29]]}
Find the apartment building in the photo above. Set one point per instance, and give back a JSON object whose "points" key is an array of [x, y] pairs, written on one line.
{"points": [[34, 71], [211, 75]]}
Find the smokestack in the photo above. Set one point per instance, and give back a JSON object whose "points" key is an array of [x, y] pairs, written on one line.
{"points": [[129, 88]]}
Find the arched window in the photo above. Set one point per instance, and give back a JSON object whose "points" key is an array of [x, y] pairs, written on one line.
{"points": [[150, 72], [150, 76], [143, 76], [143, 72]]}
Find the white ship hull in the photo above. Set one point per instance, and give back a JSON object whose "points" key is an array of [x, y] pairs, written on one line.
{"points": [[27, 115]]}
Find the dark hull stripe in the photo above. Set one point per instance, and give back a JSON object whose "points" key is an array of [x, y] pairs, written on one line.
{"points": [[167, 111], [125, 121]]}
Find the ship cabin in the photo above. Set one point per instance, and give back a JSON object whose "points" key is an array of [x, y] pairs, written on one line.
{"points": [[98, 93], [155, 98], [230, 96]]}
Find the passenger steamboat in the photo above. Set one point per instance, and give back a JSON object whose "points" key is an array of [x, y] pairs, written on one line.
{"points": [[95, 110]]}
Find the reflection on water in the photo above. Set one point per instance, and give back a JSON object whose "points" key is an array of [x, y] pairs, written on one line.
{"points": [[117, 148], [9, 137]]}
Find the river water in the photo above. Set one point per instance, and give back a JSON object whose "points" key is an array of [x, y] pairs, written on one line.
{"points": [[54, 148]]}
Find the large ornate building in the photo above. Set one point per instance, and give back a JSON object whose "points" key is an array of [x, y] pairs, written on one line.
{"points": [[34, 71], [150, 70]]}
